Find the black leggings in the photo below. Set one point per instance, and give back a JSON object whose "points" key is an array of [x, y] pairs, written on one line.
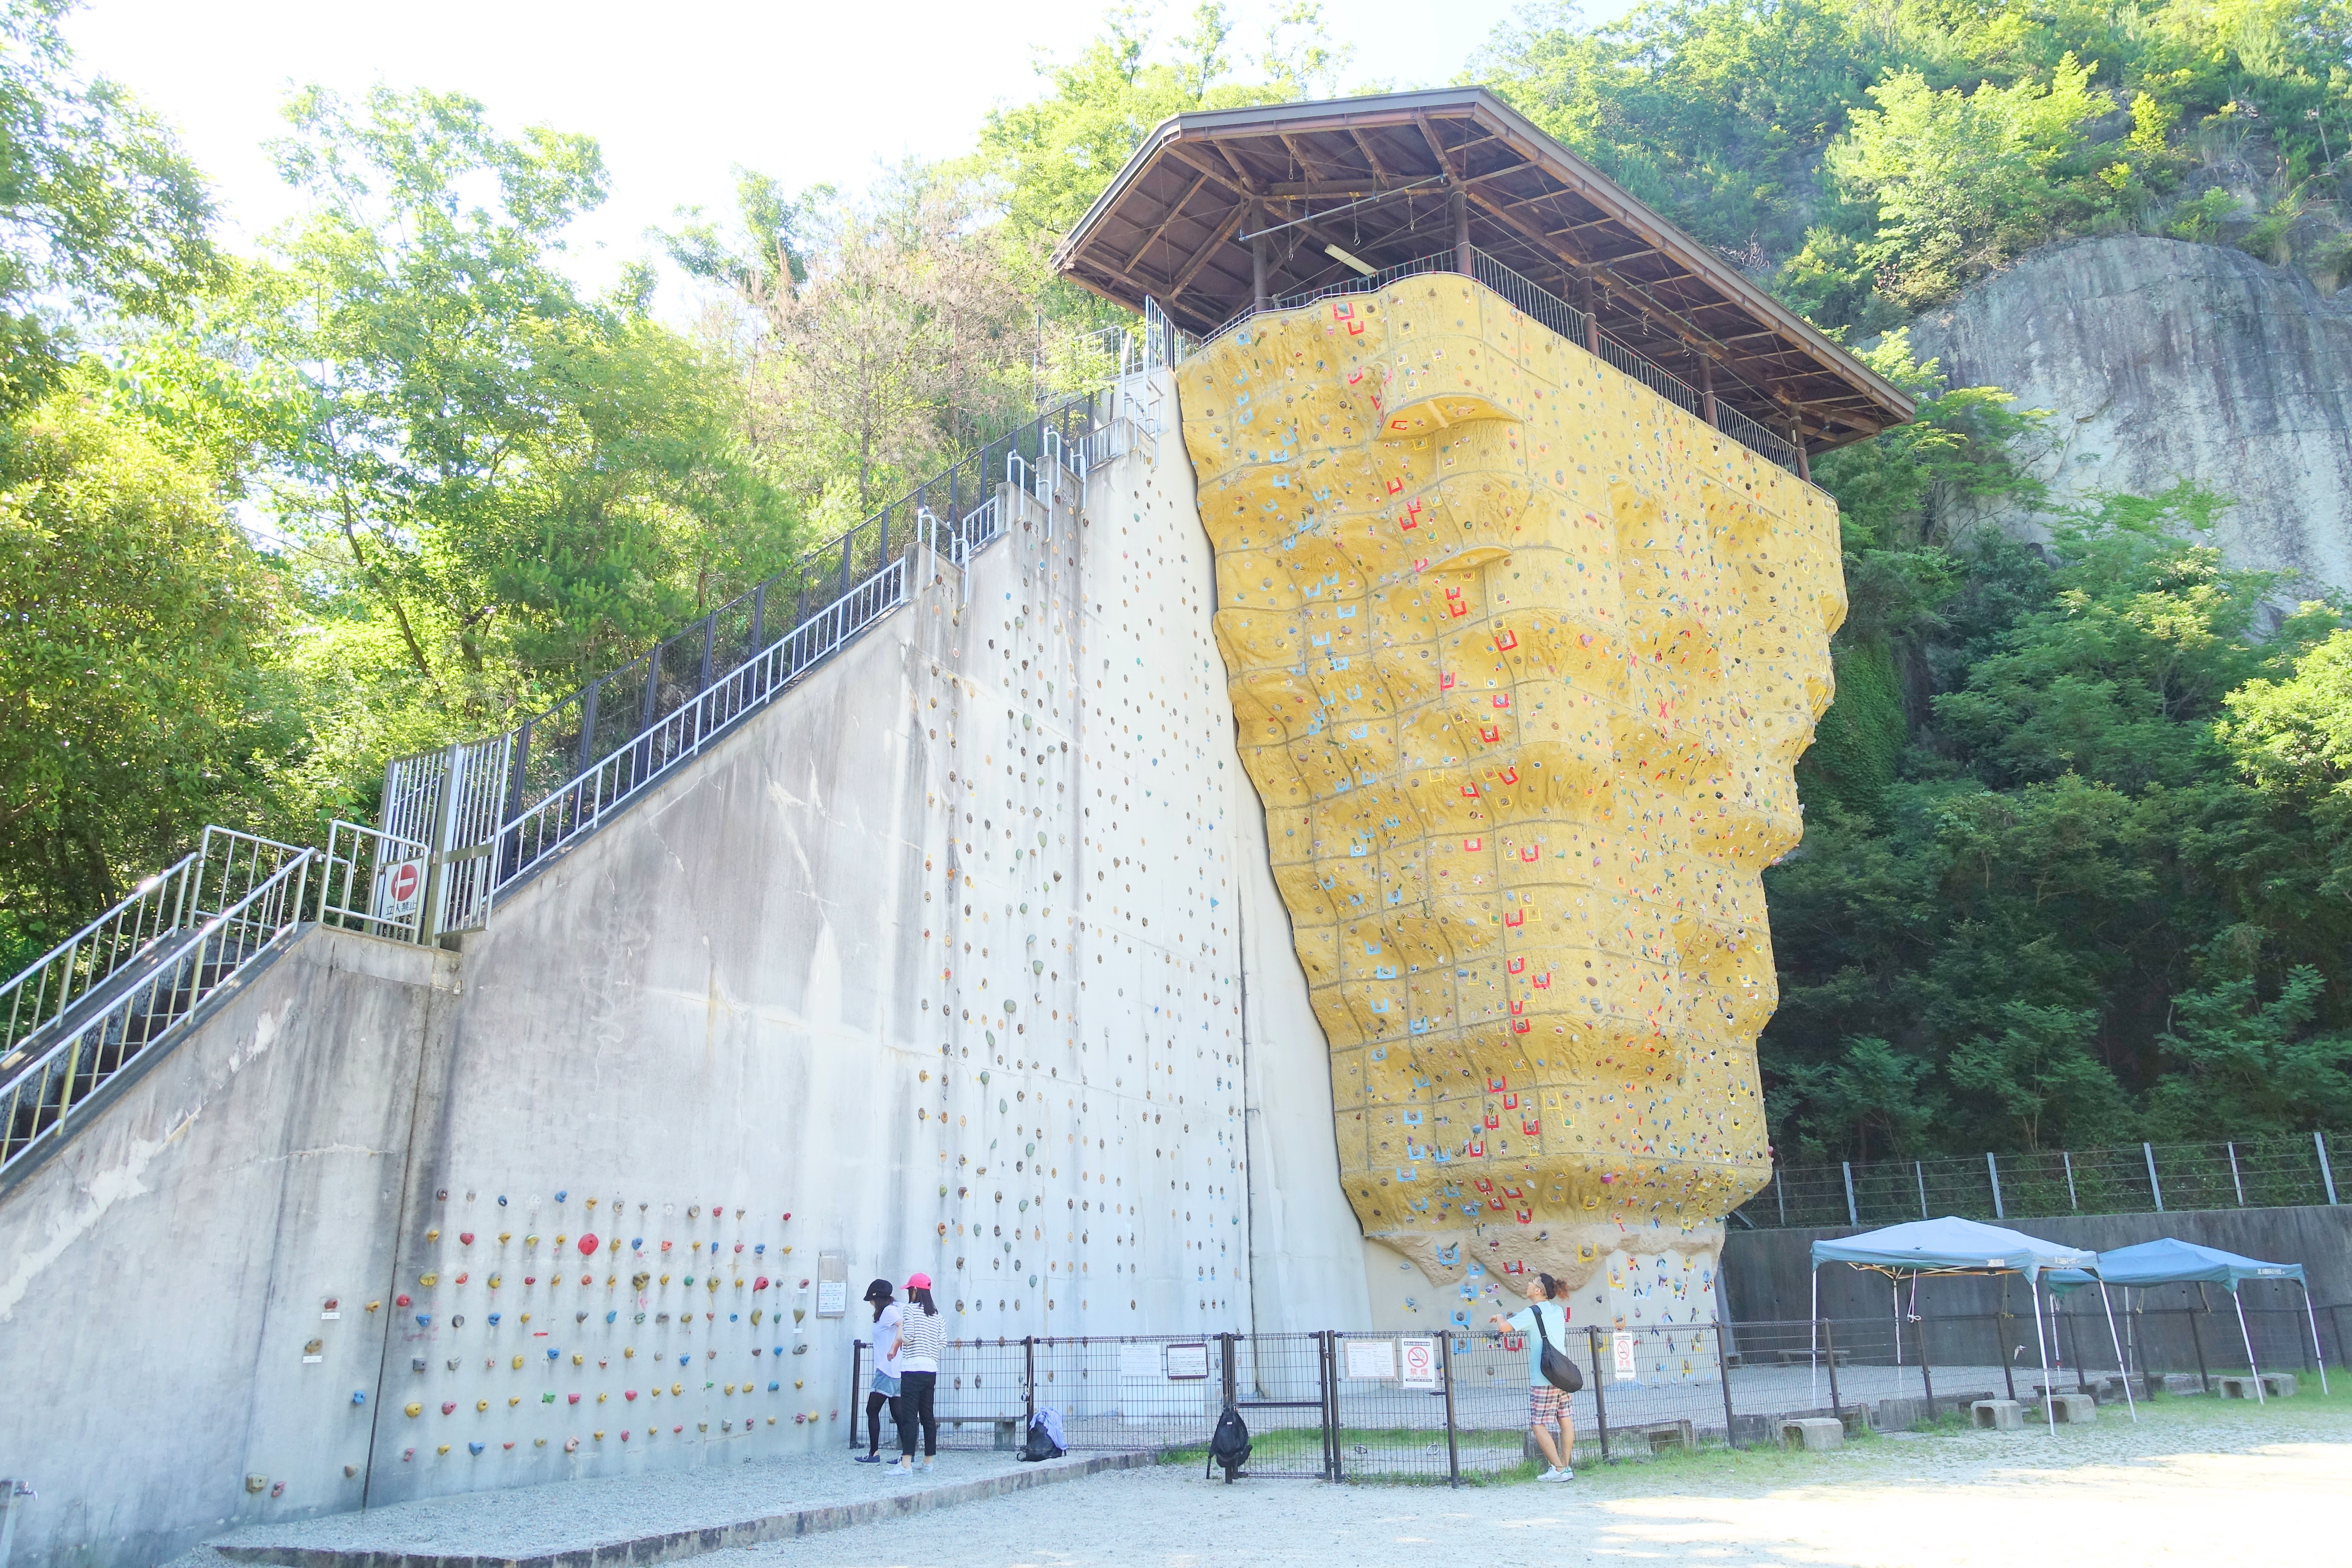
{"points": [[875, 1400], [916, 1390]]}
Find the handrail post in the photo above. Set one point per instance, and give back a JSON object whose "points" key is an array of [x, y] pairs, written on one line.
{"points": [[1453, 1447], [1828, 1353], [1723, 1366]]}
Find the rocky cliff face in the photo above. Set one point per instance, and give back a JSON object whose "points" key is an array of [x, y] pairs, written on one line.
{"points": [[2164, 360]]}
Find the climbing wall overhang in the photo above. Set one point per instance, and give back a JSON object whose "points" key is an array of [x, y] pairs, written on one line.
{"points": [[1521, 656]]}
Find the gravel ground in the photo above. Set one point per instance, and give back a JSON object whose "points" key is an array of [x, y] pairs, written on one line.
{"points": [[2194, 1482], [526, 1521]]}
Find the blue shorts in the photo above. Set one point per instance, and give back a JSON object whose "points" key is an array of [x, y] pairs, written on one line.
{"points": [[886, 1385]]}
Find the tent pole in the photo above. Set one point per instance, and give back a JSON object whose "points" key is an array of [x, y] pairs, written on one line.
{"points": [[2318, 1356], [2041, 1343], [2249, 1338], [1896, 1280], [2131, 1404], [1814, 1359]]}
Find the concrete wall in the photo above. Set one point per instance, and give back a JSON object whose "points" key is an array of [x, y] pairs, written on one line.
{"points": [[963, 957], [166, 1274]]}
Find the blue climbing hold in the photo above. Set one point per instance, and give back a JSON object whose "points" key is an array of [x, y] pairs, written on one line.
{"points": [[503, 1203], [494, 1319], [730, 1316], [423, 1320], [359, 1396], [774, 1387], [610, 1316], [681, 1360], [552, 1354], [474, 1448], [760, 1248], [561, 1197]]}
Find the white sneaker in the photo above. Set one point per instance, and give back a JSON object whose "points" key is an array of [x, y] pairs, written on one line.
{"points": [[1550, 1475], [1561, 1474]]}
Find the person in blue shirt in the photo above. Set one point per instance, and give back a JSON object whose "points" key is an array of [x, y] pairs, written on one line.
{"points": [[1545, 1404]]}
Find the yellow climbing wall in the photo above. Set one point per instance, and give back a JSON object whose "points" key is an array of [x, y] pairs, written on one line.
{"points": [[1521, 656]]}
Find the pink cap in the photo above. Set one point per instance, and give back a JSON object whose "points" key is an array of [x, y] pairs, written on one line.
{"points": [[919, 1281]]}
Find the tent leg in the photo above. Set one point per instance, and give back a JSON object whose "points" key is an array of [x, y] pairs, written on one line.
{"points": [[2041, 1343], [2131, 1404], [2318, 1356], [2243, 1334], [1813, 1356]]}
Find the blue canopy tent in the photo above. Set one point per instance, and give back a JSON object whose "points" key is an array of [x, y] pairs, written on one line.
{"points": [[2169, 1261], [1956, 1246]]}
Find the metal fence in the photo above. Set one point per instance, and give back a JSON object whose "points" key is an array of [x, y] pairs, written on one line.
{"points": [[1452, 1405], [2264, 1171], [240, 895]]}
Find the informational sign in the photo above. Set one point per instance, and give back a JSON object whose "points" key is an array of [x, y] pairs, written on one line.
{"points": [[831, 1284], [398, 884], [1373, 1360], [1139, 1362], [1419, 1358], [1621, 1347], [1187, 1363]]}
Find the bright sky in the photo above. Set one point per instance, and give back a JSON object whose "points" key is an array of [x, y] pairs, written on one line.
{"points": [[806, 93]]}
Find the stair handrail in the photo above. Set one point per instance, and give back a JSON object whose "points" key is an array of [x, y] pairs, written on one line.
{"points": [[46, 989], [43, 1093]]}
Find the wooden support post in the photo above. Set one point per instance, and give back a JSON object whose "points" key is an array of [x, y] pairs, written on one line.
{"points": [[1707, 390], [1259, 295], [1464, 256], [1797, 439]]}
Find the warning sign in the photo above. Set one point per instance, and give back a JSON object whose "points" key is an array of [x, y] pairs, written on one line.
{"points": [[398, 884], [1622, 1345], [1419, 1363]]}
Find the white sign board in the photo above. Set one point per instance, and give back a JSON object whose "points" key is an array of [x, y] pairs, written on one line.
{"points": [[1373, 1360], [398, 884], [1139, 1362], [1187, 1362], [1420, 1359], [1622, 1345], [832, 1297]]}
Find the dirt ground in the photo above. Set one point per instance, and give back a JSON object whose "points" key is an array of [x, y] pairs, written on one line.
{"points": [[2194, 1481]]}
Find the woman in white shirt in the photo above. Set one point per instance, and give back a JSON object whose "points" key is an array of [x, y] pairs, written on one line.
{"points": [[921, 1334], [884, 1392]]}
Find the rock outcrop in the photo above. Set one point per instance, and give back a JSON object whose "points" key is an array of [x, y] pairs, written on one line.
{"points": [[2164, 361]]}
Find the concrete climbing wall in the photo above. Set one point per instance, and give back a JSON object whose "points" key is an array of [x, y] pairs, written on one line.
{"points": [[964, 956], [1522, 656]]}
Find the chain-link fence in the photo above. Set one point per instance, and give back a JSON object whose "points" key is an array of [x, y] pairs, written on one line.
{"points": [[2269, 1171], [1456, 1406]]}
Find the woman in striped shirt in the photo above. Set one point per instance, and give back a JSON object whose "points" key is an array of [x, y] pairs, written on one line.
{"points": [[920, 1335]]}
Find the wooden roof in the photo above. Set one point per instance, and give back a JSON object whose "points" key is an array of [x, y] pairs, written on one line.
{"points": [[1374, 177]]}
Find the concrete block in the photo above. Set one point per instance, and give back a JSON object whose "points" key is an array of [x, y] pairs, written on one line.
{"points": [[1900, 1415], [2073, 1409], [1815, 1433], [1998, 1415], [2183, 1383], [2235, 1387], [1664, 1435], [2279, 1385]]}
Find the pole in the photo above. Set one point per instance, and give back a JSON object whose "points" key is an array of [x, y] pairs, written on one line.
{"points": [[1829, 1346], [2069, 1158], [1851, 1217], [2327, 1172], [1927, 1378], [1780, 1194], [1919, 1174], [1028, 1383], [2196, 1341], [1813, 1361], [1723, 1366], [1600, 1394], [2041, 1343], [1992, 1169], [2155, 1188], [2002, 1330], [1464, 256], [10, 1490], [2130, 1403], [856, 1388], [2244, 1334], [1453, 1447], [2318, 1358]]}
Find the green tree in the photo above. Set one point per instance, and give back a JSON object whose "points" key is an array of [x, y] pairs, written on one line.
{"points": [[498, 484], [103, 215], [2251, 1065], [136, 696]]}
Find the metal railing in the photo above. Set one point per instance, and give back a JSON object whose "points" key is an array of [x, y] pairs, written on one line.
{"points": [[1450, 1403], [47, 1083], [1537, 303], [2273, 1171], [373, 882], [558, 773], [223, 867]]}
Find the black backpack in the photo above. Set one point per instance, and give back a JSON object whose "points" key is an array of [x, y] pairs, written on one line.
{"points": [[1230, 1446], [1041, 1446], [1557, 1370]]}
